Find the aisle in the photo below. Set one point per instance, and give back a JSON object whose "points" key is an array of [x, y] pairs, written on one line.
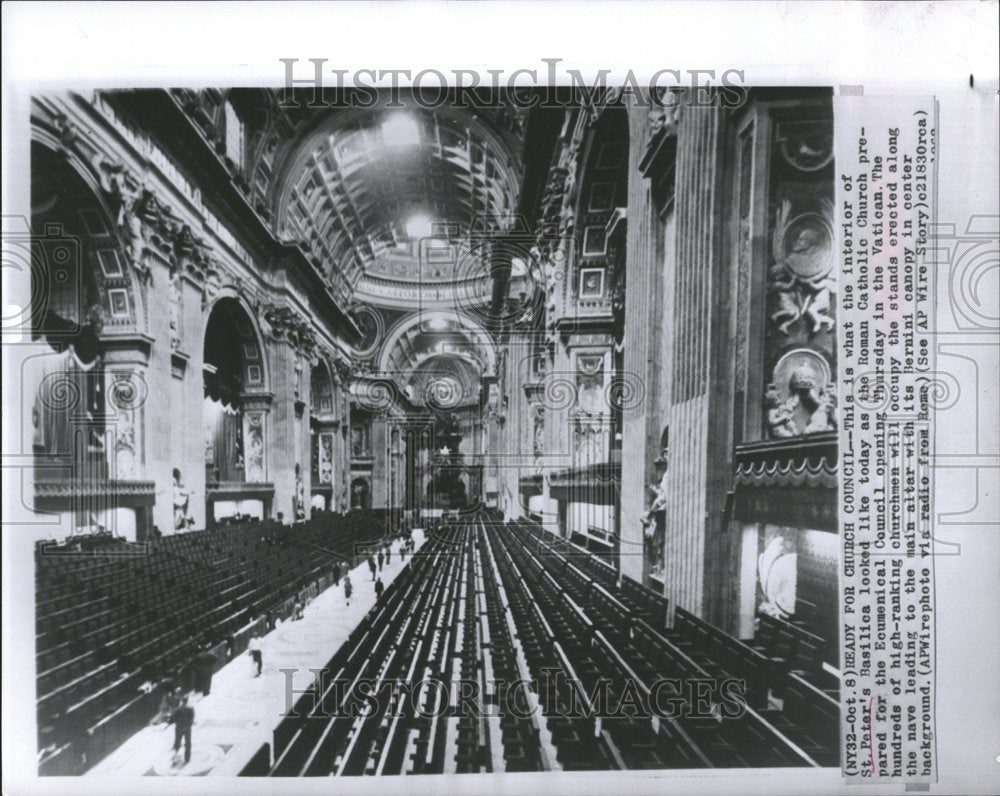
{"points": [[242, 711]]}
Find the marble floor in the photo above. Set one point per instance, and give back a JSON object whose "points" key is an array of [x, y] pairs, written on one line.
{"points": [[242, 711]]}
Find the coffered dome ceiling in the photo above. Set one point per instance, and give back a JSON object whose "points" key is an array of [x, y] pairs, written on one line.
{"points": [[365, 191], [439, 359]]}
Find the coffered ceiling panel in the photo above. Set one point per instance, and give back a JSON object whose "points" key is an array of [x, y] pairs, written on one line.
{"points": [[363, 190]]}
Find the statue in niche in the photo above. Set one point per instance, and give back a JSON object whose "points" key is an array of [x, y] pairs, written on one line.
{"points": [[659, 504], [255, 458], [824, 415], [590, 384], [182, 500], [125, 446], [300, 494], [780, 421], [538, 443], [174, 299], [777, 575]]}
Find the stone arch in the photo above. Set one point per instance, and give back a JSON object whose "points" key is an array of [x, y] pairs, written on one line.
{"points": [[324, 440], [80, 272], [321, 388], [464, 324], [236, 405], [87, 303], [603, 188], [249, 331]]}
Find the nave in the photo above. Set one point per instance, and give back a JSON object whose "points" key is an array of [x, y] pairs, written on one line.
{"points": [[565, 670], [497, 647]]}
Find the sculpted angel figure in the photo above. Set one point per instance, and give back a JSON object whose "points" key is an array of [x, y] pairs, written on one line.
{"points": [[817, 305], [823, 417], [780, 422], [789, 310]]}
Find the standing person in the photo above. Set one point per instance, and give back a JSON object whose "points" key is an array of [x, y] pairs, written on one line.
{"points": [[170, 702], [183, 720], [256, 653], [348, 588], [204, 667], [371, 565], [388, 553], [345, 569], [379, 588], [336, 573], [381, 560]]}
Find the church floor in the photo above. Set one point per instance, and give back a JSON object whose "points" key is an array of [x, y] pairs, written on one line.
{"points": [[242, 711]]}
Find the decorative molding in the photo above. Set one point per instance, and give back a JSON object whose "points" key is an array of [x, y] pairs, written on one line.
{"points": [[226, 489], [107, 489], [286, 324], [788, 473], [799, 462]]}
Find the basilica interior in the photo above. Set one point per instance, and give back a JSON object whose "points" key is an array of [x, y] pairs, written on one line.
{"points": [[582, 348]]}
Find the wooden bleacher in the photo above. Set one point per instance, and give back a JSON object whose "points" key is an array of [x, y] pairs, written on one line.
{"points": [[112, 617], [591, 655]]}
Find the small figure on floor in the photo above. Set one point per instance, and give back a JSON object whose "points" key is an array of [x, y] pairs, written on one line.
{"points": [[204, 668], [183, 721], [256, 653], [348, 588], [388, 553], [379, 588], [297, 609], [381, 560], [371, 565], [170, 702]]}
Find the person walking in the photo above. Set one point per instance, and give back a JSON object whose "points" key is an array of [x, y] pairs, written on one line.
{"points": [[348, 588], [204, 668], [388, 553], [381, 560], [379, 588], [336, 573], [256, 653], [183, 721], [371, 565]]}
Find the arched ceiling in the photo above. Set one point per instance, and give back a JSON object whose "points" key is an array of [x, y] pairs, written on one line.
{"points": [[438, 358], [444, 382], [364, 190]]}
